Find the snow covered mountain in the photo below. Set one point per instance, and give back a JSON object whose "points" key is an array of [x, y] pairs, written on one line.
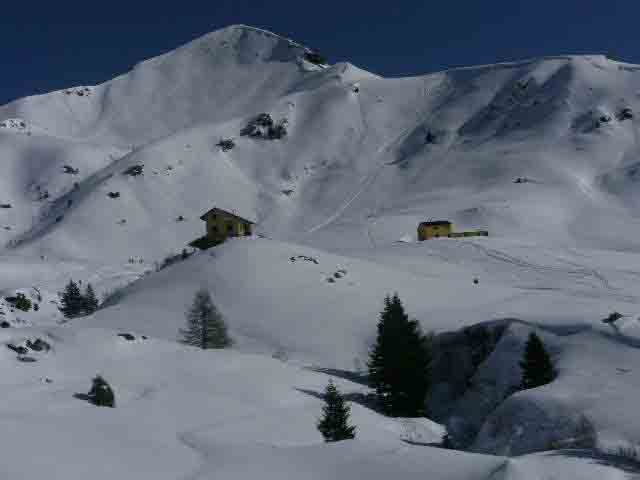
{"points": [[102, 182]]}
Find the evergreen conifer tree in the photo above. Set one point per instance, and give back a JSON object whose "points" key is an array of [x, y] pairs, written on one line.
{"points": [[537, 369], [101, 393], [90, 301], [399, 364], [71, 300], [334, 424], [205, 325]]}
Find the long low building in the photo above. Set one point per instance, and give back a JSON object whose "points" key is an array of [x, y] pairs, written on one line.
{"points": [[444, 228]]}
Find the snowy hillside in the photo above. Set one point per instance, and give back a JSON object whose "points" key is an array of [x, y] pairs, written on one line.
{"points": [[337, 166]]}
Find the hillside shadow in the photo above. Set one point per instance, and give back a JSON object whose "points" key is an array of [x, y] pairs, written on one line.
{"points": [[621, 462]]}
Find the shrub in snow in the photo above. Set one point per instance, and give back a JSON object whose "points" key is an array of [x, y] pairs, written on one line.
{"points": [[134, 170], [257, 125], [537, 369], [206, 327], [19, 349], [70, 170], [22, 302], [127, 336], [278, 131], [263, 126], [5, 205], [399, 364], [38, 345], [5, 324], [226, 144], [113, 194], [171, 259], [612, 318], [101, 393], [334, 424]]}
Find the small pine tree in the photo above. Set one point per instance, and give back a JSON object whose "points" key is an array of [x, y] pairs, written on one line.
{"points": [[334, 424], [399, 364], [205, 325], [101, 393], [90, 301], [537, 369], [72, 300]]}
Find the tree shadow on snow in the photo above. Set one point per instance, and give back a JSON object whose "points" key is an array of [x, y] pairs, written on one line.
{"points": [[621, 462], [366, 400], [355, 377], [83, 396]]}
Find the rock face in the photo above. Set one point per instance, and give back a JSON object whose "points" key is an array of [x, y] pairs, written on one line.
{"points": [[474, 369], [476, 394]]}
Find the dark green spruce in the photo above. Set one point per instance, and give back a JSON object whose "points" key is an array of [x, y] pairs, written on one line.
{"points": [[334, 424], [72, 301], [537, 369], [90, 301], [399, 363]]}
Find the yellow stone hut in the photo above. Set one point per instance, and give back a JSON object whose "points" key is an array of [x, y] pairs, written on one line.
{"points": [[220, 225], [434, 229]]}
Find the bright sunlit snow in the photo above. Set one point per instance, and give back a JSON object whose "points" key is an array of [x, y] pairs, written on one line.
{"points": [[542, 153]]}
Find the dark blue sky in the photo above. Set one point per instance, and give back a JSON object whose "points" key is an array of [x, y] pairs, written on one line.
{"points": [[43, 48]]}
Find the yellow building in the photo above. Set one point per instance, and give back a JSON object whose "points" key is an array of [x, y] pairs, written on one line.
{"points": [[436, 229], [220, 225], [444, 228]]}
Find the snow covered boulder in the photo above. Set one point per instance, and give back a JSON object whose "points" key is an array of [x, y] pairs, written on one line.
{"points": [[530, 422]]}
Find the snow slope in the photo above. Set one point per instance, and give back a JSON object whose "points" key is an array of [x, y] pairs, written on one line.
{"points": [[365, 159]]}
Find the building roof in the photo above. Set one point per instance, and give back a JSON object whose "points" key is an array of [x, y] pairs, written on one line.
{"points": [[225, 212], [435, 223]]}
